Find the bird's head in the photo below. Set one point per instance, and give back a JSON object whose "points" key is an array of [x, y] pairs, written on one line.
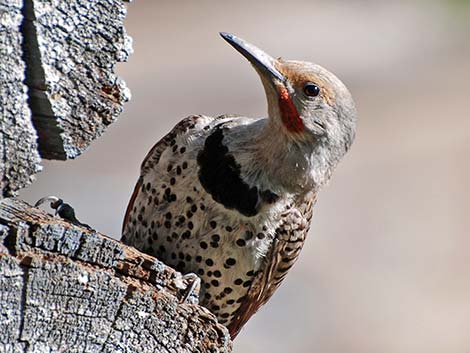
{"points": [[311, 107]]}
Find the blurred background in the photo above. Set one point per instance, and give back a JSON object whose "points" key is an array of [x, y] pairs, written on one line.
{"points": [[386, 267]]}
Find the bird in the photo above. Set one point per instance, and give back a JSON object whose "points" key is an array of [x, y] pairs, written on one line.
{"points": [[230, 198]]}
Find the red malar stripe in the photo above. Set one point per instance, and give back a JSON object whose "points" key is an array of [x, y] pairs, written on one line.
{"points": [[289, 114]]}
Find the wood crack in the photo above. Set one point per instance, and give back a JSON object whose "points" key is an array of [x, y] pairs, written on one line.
{"points": [[23, 307], [49, 133]]}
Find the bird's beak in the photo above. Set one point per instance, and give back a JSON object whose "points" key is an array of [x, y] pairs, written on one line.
{"points": [[263, 62]]}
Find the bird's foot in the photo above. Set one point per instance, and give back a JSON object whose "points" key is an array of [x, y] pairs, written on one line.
{"points": [[191, 292]]}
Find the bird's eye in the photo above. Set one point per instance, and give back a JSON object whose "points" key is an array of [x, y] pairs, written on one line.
{"points": [[311, 89]]}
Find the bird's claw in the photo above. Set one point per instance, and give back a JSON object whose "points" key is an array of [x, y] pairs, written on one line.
{"points": [[192, 289]]}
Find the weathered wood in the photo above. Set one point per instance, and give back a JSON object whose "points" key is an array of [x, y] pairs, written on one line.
{"points": [[18, 148], [71, 48], [66, 289], [58, 89]]}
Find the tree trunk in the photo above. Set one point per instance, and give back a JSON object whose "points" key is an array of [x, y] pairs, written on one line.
{"points": [[58, 88], [64, 288], [18, 147]]}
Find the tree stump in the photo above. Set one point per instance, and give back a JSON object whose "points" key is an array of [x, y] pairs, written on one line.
{"points": [[69, 289], [64, 288]]}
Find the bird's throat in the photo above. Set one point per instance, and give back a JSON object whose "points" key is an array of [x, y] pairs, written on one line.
{"points": [[289, 114]]}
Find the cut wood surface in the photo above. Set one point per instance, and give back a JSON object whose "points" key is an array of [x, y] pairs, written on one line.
{"points": [[68, 289], [58, 89]]}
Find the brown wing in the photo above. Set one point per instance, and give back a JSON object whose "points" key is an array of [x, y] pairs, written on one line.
{"points": [[153, 157], [289, 239]]}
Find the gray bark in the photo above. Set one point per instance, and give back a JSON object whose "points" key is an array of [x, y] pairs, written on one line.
{"points": [[18, 148], [58, 90], [67, 289]]}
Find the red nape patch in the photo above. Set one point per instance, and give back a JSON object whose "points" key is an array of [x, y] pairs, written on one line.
{"points": [[289, 114]]}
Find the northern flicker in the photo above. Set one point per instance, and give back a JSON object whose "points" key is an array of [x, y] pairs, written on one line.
{"points": [[230, 198]]}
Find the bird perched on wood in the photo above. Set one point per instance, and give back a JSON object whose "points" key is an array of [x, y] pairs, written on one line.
{"points": [[230, 198]]}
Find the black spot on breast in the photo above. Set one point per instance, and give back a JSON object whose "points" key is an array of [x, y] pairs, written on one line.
{"points": [[241, 242], [180, 266], [219, 174], [230, 261]]}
